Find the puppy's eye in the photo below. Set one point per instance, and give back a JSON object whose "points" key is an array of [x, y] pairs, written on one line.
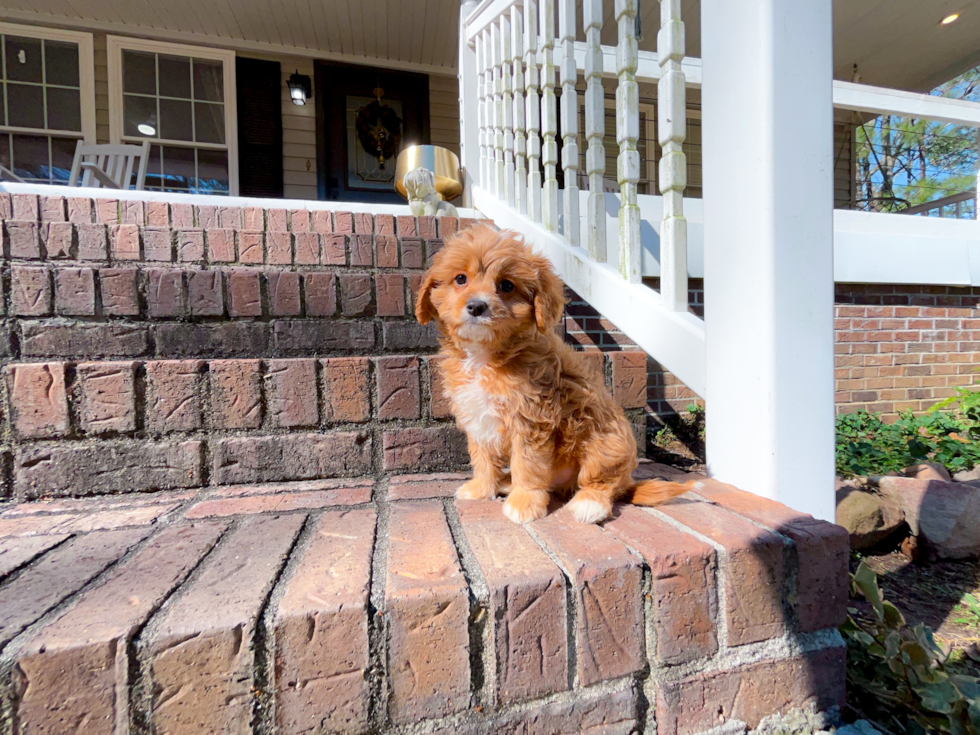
{"points": [[506, 286], [460, 280]]}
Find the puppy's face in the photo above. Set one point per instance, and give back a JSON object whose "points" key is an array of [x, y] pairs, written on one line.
{"points": [[485, 287]]}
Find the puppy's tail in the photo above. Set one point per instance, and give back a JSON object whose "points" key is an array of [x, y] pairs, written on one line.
{"points": [[655, 492]]}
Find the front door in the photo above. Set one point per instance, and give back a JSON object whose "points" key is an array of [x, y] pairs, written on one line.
{"points": [[365, 116]]}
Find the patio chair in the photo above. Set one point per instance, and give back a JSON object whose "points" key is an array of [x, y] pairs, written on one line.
{"points": [[109, 166]]}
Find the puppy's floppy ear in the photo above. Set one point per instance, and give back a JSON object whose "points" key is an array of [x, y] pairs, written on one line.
{"points": [[424, 310], [549, 296]]}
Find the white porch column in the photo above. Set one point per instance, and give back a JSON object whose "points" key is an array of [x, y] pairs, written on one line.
{"points": [[469, 130], [768, 233]]}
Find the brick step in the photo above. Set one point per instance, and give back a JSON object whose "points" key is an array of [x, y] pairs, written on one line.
{"points": [[364, 605], [137, 426]]}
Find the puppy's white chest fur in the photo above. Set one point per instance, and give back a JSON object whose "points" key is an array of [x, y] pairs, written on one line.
{"points": [[477, 410]]}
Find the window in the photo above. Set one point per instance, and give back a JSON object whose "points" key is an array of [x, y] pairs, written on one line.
{"points": [[183, 99], [48, 100]]}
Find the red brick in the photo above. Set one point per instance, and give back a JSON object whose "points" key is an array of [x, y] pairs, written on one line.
{"points": [[290, 457], [608, 593], [629, 378], [157, 214], [307, 248], [384, 224], [30, 291], [283, 293], [200, 644], [334, 250], [279, 248], [299, 220], [320, 633], [427, 228], [236, 393], [38, 401], [423, 449], [221, 245], [106, 211], [231, 217], [132, 212], [23, 239], [355, 294], [411, 249], [322, 222], [754, 570], [595, 361], [432, 247], [104, 520], [74, 670], [386, 251], [406, 226], [749, 693], [391, 295], [364, 222], [303, 336], [466, 223], [347, 491], [398, 387], [682, 569], [52, 209], [182, 215], [417, 487], [6, 207], [204, 291], [25, 207], [277, 220], [439, 404], [291, 393], [80, 210], [173, 401], [165, 293], [427, 609], [91, 241], [94, 504], [15, 552], [207, 216], [124, 242], [250, 505], [527, 603], [321, 294], [253, 218], [361, 250], [58, 575], [55, 339], [74, 291], [58, 239], [343, 222], [157, 244], [107, 397], [244, 297], [346, 389], [119, 294], [250, 246]]}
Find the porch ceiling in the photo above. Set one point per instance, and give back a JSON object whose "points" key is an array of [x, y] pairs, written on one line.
{"points": [[896, 43]]}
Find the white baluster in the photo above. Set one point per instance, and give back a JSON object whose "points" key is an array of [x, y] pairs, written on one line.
{"points": [[672, 129], [481, 106], [498, 111], [520, 150], [533, 111], [627, 133], [569, 120], [507, 73], [595, 129], [549, 122]]}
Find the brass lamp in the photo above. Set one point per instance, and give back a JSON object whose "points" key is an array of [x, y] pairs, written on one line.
{"points": [[443, 163]]}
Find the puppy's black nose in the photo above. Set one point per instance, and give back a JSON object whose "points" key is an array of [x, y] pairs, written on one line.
{"points": [[476, 307]]}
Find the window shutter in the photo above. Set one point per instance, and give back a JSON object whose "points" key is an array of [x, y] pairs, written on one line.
{"points": [[259, 127]]}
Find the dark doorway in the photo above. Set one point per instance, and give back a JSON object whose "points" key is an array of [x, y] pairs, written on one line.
{"points": [[365, 116]]}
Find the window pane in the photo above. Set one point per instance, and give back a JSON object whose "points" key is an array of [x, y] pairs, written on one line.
{"points": [[25, 106], [178, 168], [30, 156], [4, 150], [64, 109], [140, 112], [23, 59], [175, 120], [154, 179], [139, 72], [175, 77], [62, 156], [212, 171], [209, 81], [209, 120], [61, 63]]}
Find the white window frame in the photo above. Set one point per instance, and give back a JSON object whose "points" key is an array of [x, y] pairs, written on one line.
{"points": [[115, 45], [86, 79]]}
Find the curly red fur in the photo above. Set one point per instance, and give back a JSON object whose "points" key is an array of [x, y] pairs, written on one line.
{"points": [[526, 400]]}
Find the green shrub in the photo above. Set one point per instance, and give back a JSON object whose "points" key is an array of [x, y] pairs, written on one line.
{"points": [[868, 446], [899, 673]]}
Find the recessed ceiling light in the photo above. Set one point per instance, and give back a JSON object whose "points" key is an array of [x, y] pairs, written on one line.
{"points": [[146, 129], [950, 18]]}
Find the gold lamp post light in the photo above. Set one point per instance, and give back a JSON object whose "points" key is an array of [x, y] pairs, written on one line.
{"points": [[441, 162]]}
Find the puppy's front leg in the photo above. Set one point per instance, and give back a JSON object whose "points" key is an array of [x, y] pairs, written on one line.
{"points": [[488, 473], [530, 474]]}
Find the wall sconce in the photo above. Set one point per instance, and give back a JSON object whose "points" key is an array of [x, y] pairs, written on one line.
{"points": [[300, 88]]}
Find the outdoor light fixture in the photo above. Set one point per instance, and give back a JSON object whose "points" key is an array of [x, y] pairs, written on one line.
{"points": [[146, 129], [300, 88], [949, 19]]}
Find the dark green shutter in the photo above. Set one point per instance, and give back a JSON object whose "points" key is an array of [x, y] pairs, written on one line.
{"points": [[259, 85]]}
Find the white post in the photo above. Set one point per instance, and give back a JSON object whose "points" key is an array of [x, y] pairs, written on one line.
{"points": [[481, 65], [768, 239], [569, 121], [471, 140], [507, 74], [533, 111], [627, 135], [595, 129], [520, 138], [496, 51], [549, 117]]}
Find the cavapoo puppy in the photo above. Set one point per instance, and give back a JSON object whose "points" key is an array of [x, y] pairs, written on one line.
{"points": [[525, 399]]}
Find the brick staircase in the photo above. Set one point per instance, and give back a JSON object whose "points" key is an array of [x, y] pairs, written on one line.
{"points": [[228, 473]]}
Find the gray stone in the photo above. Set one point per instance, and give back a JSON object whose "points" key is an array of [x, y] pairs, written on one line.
{"points": [[868, 518], [943, 514]]}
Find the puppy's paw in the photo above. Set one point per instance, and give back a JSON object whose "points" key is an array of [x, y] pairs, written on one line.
{"points": [[473, 490], [523, 509], [586, 510]]}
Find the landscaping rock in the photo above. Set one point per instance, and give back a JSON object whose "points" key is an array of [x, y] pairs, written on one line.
{"points": [[928, 471], [861, 727], [971, 476], [942, 514], [868, 518]]}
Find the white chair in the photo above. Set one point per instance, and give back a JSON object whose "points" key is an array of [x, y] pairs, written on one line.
{"points": [[110, 166], [7, 175]]}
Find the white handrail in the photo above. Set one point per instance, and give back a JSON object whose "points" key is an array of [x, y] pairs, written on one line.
{"points": [[883, 101]]}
